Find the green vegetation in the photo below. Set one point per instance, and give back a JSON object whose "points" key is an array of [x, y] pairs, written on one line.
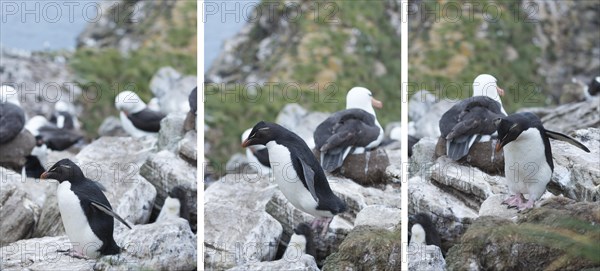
{"points": [[102, 74], [325, 57], [168, 40], [496, 39]]}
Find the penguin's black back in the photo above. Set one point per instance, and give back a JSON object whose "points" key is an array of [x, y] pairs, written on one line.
{"points": [[528, 120], [298, 149], [101, 223]]}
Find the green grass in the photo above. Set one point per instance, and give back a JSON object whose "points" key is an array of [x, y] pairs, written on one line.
{"points": [[488, 55], [376, 41], [106, 72]]}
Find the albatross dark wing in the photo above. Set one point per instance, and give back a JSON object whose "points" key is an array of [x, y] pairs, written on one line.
{"points": [[147, 120]]}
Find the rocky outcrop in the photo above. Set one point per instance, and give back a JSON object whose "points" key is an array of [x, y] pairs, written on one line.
{"points": [[425, 257], [15, 151], [560, 235], [165, 170], [303, 263], [40, 79], [567, 118], [567, 34], [172, 89], [237, 230], [482, 155], [18, 213], [157, 246]]}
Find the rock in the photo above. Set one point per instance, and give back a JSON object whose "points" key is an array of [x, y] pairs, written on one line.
{"points": [[188, 148], [111, 126], [559, 229], [298, 120], [32, 72], [165, 170], [468, 183], [567, 49], [303, 263], [420, 104], [115, 162], [426, 258], [237, 229], [428, 124], [50, 222], [171, 132], [190, 121], [379, 216], [482, 155], [172, 90], [423, 157], [367, 169], [367, 248], [39, 254], [18, 214], [358, 197], [14, 152], [156, 246], [492, 206], [450, 215], [576, 173], [569, 117]]}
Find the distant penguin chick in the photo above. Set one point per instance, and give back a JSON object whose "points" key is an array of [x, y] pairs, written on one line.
{"points": [[297, 172], [175, 205], [86, 214], [301, 242], [423, 230]]}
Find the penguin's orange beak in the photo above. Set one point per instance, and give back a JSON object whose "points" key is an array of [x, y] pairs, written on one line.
{"points": [[246, 143], [376, 103], [498, 146], [44, 176], [500, 91]]}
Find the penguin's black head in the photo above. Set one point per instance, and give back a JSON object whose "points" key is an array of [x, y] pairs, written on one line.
{"points": [[303, 229], [510, 127], [39, 140], [63, 170], [262, 133]]}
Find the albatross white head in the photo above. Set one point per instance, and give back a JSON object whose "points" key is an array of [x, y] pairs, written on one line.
{"points": [[129, 102], [485, 85], [362, 98], [9, 95]]}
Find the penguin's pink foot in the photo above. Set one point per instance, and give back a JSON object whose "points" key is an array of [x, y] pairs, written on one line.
{"points": [[321, 222], [514, 200], [525, 205], [72, 253]]}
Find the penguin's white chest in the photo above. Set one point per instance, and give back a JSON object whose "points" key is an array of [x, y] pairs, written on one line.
{"points": [[525, 165], [76, 224], [170, 210], [287, 179], [296, 247], [130, 128]]}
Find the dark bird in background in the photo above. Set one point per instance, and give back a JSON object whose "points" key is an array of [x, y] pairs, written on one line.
{"points": [[354, 130]]}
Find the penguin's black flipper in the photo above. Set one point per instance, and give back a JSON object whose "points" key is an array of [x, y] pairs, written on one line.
{"points": [[566, 138], [108, 211], [309, 178]]}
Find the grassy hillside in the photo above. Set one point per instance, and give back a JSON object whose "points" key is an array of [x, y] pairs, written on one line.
{"points": [[315, 67], [169, 39], [448, 50]]}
